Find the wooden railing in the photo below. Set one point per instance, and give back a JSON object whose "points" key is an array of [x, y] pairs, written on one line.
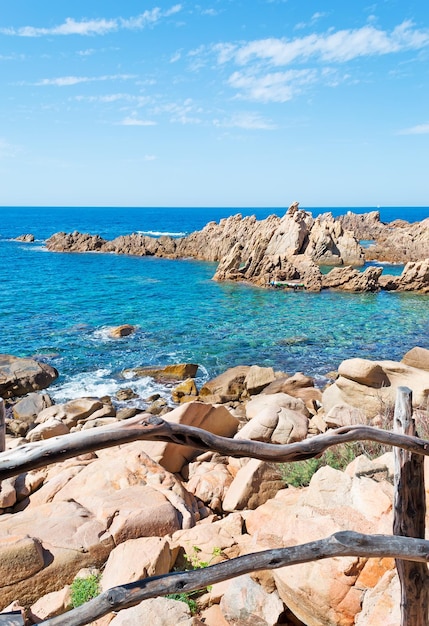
{"points": [[407, 544]]}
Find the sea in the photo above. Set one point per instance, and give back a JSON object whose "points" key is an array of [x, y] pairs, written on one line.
{"points": [[59, 307]]}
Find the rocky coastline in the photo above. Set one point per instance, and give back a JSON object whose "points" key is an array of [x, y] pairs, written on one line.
{"points": [[288, 251], [134, 510]]}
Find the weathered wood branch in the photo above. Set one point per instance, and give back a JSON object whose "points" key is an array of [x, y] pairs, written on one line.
{"points": [[149, 428], [409, 509], [2, 425], [345, 543]]}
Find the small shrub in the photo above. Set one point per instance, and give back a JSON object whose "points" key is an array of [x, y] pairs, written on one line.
{"points": [[299, 473], [84, 589], [192, 562], [187, 598]]}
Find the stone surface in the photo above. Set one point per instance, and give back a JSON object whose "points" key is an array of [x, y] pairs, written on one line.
{"points": [[51, 428], [209, 481], [30, 406], [378, 397], [178, 371], [275, 424], [136, 559], [246, 603], [228, 386], [277, 400], [257, 378], [350, 279], [19, 376], [51, 604], [21, 557], [184, 390], [417, 357], [255, 483], [217, 420], [286, 248], [122, 331], [156, 612], [329, 591]]}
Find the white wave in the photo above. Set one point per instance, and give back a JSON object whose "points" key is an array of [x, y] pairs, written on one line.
{"points": [[101, 383], [160, 233], [87, 384]]}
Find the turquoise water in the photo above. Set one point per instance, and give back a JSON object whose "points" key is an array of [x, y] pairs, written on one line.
{"points": [[60, 306]]}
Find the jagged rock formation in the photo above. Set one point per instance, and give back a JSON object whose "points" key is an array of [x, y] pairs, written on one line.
{"points": [[288, 249], [396, 242]]}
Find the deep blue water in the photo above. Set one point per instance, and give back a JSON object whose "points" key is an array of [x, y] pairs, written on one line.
{"points": [[60, 306]]}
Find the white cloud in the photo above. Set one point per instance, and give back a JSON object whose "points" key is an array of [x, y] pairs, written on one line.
{"points": [[150, 157], [7, 150], [339, 46], [95, 27], [67, 81], [132, 120], [86, 53], [248, 121], [185, 112], [176, 57], [272, 87], [420, 129]]}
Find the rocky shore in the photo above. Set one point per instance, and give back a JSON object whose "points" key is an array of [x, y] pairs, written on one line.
{"points": [[289, 251], [147, 507]]}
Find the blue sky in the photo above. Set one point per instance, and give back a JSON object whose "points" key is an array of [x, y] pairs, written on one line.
{"points": [[218, 103]]}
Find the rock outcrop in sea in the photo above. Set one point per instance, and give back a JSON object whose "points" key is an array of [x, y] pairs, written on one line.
{"points": [[287, 251]]}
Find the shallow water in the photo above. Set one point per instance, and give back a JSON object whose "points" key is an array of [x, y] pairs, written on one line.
{"points": [[60, 306]]}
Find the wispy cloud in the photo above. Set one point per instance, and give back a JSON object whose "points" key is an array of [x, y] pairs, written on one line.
{"points": [[133, 120], [340, 46], [272, 87], [116, 97], [176, 57], [420, 129], [67, 81], [247, 121], [99, 26], [274, 70], [7, 150], [186, 112]]}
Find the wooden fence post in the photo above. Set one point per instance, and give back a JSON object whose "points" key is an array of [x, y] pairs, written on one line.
{"points": [[2, 426], [409, 513]]}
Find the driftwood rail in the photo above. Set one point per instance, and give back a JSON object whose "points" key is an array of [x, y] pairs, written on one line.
{"points": [[407, 545]]}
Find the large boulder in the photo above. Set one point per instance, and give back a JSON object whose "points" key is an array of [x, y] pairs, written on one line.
{"points": [[30, 406], [122, 331], [215, 419], [85, 508], [70, 538], [19, 376], [350, 279], [372, 386], [227, 386], [329, 244], [275, 424], [415, 276], [326, 592], [178, 371], [255, 483], [246, 602], [417, 357]]}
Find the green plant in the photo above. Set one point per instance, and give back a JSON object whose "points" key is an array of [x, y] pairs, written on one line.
{"points": [[299, 473], [84, 589], [192, 562], [186, 597]]}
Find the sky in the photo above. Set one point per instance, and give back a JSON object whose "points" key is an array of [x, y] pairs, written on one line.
{"points": [[235, 103]]}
